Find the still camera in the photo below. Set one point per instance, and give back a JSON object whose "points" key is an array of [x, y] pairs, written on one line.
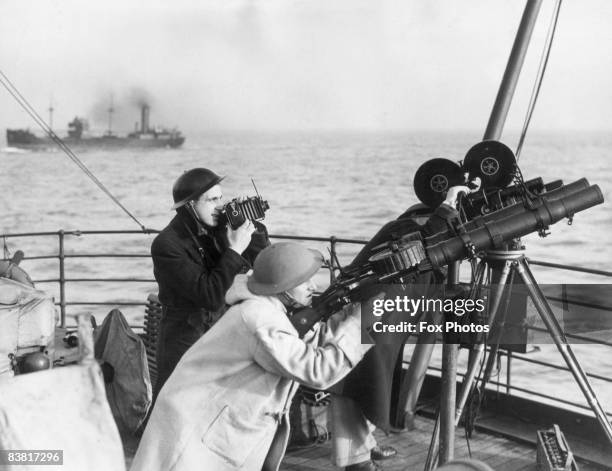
{"points": [[236, 212]]}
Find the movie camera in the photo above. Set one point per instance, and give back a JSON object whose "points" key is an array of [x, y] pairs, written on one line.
{"points": [[494, 164], [237, 211], [497, 215]]}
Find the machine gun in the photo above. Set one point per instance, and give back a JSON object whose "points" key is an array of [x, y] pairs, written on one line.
{"points": [[390, 263], [519, 211]]}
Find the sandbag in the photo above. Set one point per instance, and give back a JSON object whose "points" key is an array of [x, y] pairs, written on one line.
{"points": [[28, 317], [129, 387], [61, 409]]}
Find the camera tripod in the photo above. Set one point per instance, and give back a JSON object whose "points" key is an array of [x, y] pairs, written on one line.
{"points": [[504, 265]]}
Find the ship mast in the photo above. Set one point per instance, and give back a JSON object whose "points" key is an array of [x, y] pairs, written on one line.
{"points": [[110, 110], [51, 109], [506, 90], [494, 130]]}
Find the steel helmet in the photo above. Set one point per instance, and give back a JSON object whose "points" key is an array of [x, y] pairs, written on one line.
{"points": [[283, 266], [192, 183], [36, 361]]}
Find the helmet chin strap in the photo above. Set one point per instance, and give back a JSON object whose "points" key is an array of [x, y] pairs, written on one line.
{"points": [[191, 210], [289, 301]]}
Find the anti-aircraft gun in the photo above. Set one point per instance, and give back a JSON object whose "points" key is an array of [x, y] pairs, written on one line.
{"points": [[492, 216]]}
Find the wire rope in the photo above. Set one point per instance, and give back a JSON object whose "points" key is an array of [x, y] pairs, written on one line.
{"points": [[23, 102], [539, 77]]}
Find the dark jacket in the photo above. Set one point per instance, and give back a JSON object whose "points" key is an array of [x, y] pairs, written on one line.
{"points": [[193, 273], [370, 382]]}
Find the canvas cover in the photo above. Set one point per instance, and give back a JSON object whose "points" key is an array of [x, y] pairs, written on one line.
{"points": [[61, 409], [129, 391], [28, 317]]}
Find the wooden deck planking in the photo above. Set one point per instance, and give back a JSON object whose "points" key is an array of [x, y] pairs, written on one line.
{"points": [[498, 452]]}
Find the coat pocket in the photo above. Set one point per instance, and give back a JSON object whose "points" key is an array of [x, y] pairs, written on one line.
{"points": [[234, 438]]}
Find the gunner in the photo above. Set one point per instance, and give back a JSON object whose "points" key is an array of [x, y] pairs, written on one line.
{"points": [[232, 413], [363, 402], [195, 260]]}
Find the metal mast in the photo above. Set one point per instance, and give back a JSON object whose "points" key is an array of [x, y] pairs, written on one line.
{"points": [[493, 131]]}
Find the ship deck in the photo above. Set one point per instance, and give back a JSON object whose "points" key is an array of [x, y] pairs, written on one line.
{"points": [[498, 451]]}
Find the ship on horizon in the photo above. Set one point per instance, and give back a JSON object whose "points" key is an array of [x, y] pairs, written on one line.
{"points": [[144, 136]]}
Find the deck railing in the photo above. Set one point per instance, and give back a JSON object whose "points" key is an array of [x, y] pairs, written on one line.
{"points": [[62, 280]]}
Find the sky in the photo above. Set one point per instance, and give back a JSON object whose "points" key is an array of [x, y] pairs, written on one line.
{"points": [[380, 65]]}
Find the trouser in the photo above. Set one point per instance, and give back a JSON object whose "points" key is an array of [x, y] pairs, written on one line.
{"points": [[352, 438]]}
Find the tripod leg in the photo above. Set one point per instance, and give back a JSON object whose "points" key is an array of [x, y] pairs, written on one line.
{"points": [[413, 381], [494, 342], [450, 353], [432, 452], [562, 345], [479, 351], [466, 386]]}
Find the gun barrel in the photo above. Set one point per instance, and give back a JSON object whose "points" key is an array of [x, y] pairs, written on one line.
{"points": [[520, 222], [553, 195]]}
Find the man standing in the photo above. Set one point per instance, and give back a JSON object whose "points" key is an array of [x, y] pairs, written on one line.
{"points": [[195, 260]]}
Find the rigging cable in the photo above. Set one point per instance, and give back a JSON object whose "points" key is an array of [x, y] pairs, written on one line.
{"points": [[540, 76], [61, 144]]}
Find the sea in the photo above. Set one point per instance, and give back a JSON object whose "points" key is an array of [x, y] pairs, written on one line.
{"points": [[319, 184]]}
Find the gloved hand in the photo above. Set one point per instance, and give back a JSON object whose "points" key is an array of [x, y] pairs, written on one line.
{"points": [[453, 193]]}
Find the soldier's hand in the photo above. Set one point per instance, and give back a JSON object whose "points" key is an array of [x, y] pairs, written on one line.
{"points": [[454, 191], [240, 238]]}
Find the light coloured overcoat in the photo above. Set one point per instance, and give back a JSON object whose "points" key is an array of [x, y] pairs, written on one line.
{"points": [[222, 405]]}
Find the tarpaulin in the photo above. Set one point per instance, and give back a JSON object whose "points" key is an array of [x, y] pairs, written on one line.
{"points": [[129, 388], [63, 409]]}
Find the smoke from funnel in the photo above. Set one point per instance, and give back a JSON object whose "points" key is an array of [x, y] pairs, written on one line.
{"points": [[139, 97], [118, 112]]}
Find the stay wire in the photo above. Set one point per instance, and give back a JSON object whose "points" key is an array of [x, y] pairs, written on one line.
{"points": [[23, 102], [540, 76], [7, 252]]}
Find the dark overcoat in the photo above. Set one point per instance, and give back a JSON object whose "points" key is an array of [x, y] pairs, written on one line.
{"points": [[370, 382], [194, 268]]}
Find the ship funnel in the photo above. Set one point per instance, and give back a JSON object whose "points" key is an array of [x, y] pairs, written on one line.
{"points": [[144, 119]]}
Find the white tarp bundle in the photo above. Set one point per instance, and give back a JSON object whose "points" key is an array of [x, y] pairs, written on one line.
{"points": [[61, 409], [28, 319], [129, 391]]}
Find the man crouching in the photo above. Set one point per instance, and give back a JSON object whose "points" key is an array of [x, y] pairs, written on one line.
{"points": [[225, 407]]}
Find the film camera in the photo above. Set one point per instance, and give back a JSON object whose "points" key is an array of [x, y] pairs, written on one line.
{"points": [[494, 164], [236, 212]]}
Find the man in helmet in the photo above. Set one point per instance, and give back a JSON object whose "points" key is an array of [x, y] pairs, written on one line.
{"points": [[195, 260], [232, 413]]}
